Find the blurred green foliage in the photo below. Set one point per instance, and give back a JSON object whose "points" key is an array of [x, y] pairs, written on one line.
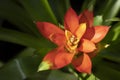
{"points": [[24, 13]]}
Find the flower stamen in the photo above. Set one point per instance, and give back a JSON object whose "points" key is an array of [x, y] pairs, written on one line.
{"points": [[71, 42]]}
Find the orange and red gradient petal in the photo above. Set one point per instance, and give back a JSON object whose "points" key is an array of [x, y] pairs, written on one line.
{"points": [[50, 57], [63, 58], [83, 63], [46, 29], [100, 33], [86, 46], [58, 58], [58, 39], [48, 61], [71, 20], [86, 17]]}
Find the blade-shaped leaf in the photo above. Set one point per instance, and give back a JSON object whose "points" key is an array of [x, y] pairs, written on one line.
{"points": [[12, 71], [112, 52], [110, 9], [24, 39], [21, 68], [59, 8], [58, 75], [106, 70], [39, 10], [15, 14], [113, 19], [88, 4]]}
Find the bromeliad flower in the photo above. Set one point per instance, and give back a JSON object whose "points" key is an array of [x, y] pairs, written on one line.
{"points": [[75, 42]]}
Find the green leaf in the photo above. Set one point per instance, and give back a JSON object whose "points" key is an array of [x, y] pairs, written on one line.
{"points": [[53, 75], [110, 9], [20, 68], [15, 14], [111, 53], [105, 69], [92, 77], [27, 52], [58, 75], [106, 73], [88, 4], [59, 8], [12, 71], [8, 10], [39, 76], [29, 65], [112, 19], [98, 20], [39, 10], [1, 64], [24, 39], [84, 76]]}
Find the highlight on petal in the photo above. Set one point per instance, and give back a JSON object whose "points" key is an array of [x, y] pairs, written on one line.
{"points": [[86, 17], [58, 39], [71, 21], [46, 29], [100, 33], [80, 30], [86, 46], [83, 63]]}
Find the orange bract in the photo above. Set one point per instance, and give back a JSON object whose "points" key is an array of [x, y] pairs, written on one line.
{"points": [[79, 37]]}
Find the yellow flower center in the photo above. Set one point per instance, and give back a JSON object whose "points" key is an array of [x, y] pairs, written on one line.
{"points": [[71, 42]]}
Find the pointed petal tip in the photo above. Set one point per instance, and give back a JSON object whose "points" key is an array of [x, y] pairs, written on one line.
{"points": [[44, 66], [71, 8], [83, 64], [71, 20], [38, 23], [86, 16], [88, 72], [100, 33], [106, 27]]}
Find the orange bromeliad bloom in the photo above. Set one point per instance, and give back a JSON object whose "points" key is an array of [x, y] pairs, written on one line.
{"points": [[75, 42]]}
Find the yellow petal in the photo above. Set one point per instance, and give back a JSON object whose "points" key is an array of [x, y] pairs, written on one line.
{"points": [[80, 30]]}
